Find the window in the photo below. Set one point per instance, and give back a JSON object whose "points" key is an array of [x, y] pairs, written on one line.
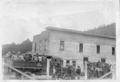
{"points": [[74, 63], [113, 50], [45, 43], [85, 59], [45, 47], [68, 61], [61, 45], [98, 49], [103, 60], [80, 47], [40, 47], [35, 47]]}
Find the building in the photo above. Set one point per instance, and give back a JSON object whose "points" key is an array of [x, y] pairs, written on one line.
{"points": [[74, 46]]}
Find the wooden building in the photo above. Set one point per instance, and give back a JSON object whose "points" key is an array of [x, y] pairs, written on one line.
{"points": [[75, 46]]}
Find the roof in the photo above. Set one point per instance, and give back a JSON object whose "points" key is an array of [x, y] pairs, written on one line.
{"points": [[80, 32]]}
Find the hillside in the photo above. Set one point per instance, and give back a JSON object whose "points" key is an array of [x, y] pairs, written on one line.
{"points": [[107, 30]]}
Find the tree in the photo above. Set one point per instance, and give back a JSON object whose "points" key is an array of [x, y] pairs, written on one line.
{"points": [[23, 47]]}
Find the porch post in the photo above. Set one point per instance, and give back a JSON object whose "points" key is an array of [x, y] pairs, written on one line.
{"points": [[113, 72], [48, 67], [86, 70], [64, 63]]}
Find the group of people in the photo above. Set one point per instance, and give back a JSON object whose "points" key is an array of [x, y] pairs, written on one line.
{"points": [[94, 70], [68, 72], [98, 69]]}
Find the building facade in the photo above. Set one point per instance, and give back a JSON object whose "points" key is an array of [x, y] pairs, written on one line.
{"points": [[74, 46]]}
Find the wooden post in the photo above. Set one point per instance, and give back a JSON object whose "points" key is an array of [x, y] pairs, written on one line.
{"points": [[48, 67], [64, 63], [113, 72], [85, 70]]}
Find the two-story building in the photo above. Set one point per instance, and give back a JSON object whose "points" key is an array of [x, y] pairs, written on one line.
{"points": [[75, 46]]}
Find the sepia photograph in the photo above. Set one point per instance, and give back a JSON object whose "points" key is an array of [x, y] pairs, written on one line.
{"points": [[58, 39]]}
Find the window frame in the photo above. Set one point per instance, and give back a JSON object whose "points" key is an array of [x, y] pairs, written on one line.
{"points": [[67, 61], [103, 59], [80, 47], [98, 49], [113, 50], [35, 49], [62, 45]]}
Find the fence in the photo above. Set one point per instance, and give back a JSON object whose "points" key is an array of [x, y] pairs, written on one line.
{"points": [[5, 64]]}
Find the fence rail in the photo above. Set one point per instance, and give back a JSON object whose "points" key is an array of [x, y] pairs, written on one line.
{"points": [[102, 77], [18, 71]]}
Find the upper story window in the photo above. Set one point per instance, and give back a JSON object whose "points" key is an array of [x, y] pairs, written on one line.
{"points": [[35, 47], [113, 50], [81, 47], [98, 49], [61, 45], [45, 43], [40, 45]]}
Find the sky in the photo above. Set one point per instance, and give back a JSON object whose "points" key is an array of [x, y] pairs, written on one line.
{"points": [[22, 19]]}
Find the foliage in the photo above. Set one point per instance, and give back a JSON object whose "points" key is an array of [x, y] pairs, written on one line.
{"points": [[14, 48]]}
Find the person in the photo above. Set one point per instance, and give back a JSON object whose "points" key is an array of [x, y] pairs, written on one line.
{"points": [[78, 72], [73, 73], [69, 72], [54, 72]]}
